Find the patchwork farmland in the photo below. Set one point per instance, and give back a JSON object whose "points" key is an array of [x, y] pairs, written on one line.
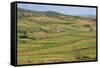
{"points": [[50, 37]]}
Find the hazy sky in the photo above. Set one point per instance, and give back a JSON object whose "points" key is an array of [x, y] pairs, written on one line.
{"points": [[71, 10]]}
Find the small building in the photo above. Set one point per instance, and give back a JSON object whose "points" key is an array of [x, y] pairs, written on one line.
{"points": [[27, 14], [59, 30]]}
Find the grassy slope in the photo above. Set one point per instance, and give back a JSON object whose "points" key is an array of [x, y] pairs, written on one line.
{"points": [[39, 41]]}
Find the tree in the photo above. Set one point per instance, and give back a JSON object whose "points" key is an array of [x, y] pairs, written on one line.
{"points": [[89, 26]]}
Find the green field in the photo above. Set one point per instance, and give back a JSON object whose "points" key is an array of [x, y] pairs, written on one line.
{"points": [[49, 37]]}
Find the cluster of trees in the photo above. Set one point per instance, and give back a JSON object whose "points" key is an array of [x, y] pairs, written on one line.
{"points": [[26, 34], [29, 33], [88, 26]]}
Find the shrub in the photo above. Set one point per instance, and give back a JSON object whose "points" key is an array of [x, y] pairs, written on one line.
{"points": [[87, 25]]}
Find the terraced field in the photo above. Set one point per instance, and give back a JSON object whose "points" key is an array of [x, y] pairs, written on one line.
{"points": [[47, 38]]}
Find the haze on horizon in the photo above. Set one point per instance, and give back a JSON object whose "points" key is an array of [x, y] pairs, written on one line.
{"points": [[67, 10]]}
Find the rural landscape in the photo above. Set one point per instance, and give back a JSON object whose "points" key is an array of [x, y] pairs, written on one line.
{"points": [[52, 37]]}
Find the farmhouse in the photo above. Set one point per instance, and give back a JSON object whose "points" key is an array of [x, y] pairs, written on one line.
{"points": [[27, 14], [59, 30]]}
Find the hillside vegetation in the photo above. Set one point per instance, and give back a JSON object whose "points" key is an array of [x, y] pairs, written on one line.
{"points": [[49, 37]]}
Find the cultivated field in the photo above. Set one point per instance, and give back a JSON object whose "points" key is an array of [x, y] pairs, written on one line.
{"points": [[49, 37]]}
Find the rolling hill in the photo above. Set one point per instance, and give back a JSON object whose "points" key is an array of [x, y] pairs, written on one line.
{"points": [[51, 37]]}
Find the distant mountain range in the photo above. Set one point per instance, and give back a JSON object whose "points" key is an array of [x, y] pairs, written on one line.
{"points": [[88, 16], [48, 13], [51, 13]]}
